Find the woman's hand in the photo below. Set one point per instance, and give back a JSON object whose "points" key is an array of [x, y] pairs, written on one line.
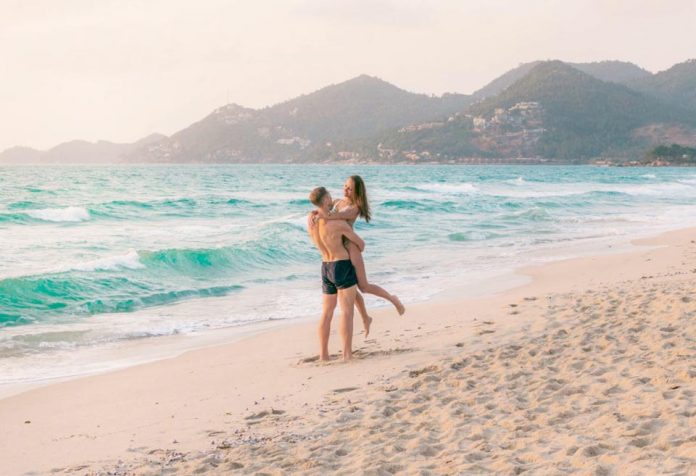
{"points": [[311, 219], [320, 213]]}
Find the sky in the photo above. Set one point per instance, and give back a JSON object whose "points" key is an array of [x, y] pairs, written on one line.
{"points": [[120, 70]]}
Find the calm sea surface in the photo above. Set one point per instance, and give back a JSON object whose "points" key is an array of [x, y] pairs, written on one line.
{"points": [[96, 256]]}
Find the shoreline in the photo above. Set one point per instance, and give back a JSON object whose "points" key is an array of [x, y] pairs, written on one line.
{"points": [[473, 161], [507, 222], [137, 352], [174, 402]]}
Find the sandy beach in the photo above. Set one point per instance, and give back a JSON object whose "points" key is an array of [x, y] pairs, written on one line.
{"points": [[589, 369]]}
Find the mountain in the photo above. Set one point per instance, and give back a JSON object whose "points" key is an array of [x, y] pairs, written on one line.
{"points": [[359, 108], [76, 152], [553, 111], [149, 139], [505, 80], [20, 155], [315, 126], [610, 71], [539, 110], [677, 85]]}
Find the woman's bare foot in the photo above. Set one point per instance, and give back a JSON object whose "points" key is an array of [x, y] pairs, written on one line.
{"points": [[397, 304], [366, 323]]}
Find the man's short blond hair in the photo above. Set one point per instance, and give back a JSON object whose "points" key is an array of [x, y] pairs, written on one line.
{"points": [[317, 195]]}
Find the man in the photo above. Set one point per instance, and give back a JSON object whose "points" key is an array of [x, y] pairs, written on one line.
{"points": [[339, 282]]}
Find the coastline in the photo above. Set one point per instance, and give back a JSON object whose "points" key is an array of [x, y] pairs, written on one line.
{"points": [[153, 278], [122, 355], [183, 403]]}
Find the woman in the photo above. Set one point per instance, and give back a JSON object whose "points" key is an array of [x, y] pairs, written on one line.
{"points": [[354, 205]]}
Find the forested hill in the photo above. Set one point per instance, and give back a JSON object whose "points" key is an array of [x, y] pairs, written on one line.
{"points": [[583, 116], [609, 71], [311, 127], [554, 111], [676, 85]]}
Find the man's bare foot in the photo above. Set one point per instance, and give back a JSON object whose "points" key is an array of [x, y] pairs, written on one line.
{"points": [[397, 304], [366, 324]]}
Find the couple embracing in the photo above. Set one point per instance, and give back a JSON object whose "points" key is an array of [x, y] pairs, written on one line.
{"points": [[330, 226]]}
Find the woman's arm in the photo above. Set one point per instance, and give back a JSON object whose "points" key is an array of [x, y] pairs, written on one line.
{"points": [[311, 220], [350, 213]]}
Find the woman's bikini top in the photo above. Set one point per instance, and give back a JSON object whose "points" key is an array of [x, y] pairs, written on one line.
{"points": [[336, 209]]}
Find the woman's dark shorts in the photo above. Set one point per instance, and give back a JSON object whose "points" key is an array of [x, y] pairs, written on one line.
{"points": [[337, 275]]}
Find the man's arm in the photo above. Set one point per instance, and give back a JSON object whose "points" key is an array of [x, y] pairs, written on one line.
{"points": [[348, 232]]}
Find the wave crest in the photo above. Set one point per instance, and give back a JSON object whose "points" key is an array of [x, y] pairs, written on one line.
{"points": [[449, 188], [69, 214]]}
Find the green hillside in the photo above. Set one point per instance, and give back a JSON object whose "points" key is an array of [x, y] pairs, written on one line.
{"points": [[584, 117], [610, 71], [553, 111], [311, 127], [677, 85]]}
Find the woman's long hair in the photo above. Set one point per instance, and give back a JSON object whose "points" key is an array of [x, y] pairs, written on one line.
{"points": [[360, 194]]}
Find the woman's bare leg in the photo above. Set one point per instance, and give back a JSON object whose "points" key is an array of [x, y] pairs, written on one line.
{"points": [[362, 309], [364, 285]]}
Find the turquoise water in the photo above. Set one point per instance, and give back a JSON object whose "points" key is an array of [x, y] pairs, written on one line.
{"points": [[95, 255]]}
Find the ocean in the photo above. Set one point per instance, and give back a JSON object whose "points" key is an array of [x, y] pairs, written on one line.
{"points": [[95, 258]]}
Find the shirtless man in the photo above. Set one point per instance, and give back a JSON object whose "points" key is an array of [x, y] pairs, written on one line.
{"points": [[339, 281]]}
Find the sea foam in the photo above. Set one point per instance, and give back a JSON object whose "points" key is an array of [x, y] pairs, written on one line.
{"points": [[451, 188], [69, 214], [130, 260]]}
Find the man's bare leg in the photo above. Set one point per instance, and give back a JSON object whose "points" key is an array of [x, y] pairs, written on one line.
{"points": [[328, 307], [362, 309], [346, 299]]}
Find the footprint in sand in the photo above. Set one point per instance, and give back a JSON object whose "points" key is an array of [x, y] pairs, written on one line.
{"points": [[381, 353], [344, 389], [416, 373], [460, 365], [485, 331], [315, 358], [264, 414]]}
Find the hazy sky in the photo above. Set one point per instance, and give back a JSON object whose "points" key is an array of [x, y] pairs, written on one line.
{"points": [[119, 70]]}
